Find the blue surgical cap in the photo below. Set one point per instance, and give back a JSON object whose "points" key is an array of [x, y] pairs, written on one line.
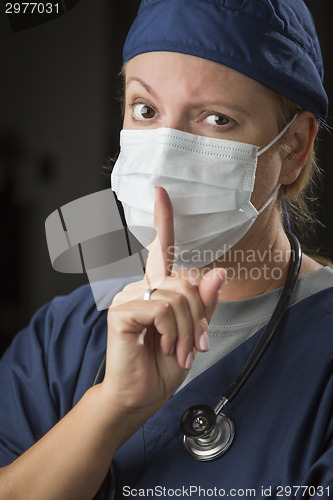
{"points": [[272, 41]]}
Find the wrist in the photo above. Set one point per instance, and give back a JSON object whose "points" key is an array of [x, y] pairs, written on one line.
{"points": [[118, 421]]}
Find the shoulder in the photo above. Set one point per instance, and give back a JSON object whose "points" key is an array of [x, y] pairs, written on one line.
{"points": [[319, 301], [63, 343], [309, 326], [316, 304], [73, 318], [78, 311], [49, 366], [309, 285]]}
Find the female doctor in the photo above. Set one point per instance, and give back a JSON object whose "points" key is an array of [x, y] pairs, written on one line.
{"points": [[222, 104]]}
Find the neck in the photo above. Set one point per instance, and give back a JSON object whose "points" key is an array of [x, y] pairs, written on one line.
{"points": [[258, 263]]}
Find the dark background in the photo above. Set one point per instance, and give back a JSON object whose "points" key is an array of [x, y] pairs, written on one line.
{"points": [[60, 121]]}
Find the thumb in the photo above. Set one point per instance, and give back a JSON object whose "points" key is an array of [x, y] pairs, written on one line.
{"points": [[209, 288]]}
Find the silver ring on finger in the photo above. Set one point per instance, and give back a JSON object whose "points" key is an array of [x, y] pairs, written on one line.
{"points": [[148, 293]]}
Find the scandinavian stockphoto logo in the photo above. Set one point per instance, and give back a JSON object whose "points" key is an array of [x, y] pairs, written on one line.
{"points": [[25, 15], [87, 236]]}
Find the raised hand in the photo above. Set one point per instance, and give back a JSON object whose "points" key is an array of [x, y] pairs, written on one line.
{"points": [[143, 370], [152, 344]]}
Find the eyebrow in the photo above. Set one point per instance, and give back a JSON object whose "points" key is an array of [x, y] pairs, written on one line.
{"points": [[231, 107], [144, 85]]}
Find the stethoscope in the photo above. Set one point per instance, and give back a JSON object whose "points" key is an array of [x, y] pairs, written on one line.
{"points": [[209, 433]]}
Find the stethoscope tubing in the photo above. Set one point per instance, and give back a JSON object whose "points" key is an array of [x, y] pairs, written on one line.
{"points": [[279, 311], [253, 360]]}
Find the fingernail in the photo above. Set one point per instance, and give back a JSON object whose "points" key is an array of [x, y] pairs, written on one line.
{"points": [[204, 342], [189, 361], [222, 278]]}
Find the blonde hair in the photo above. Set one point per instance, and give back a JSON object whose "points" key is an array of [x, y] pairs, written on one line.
{"points": [[299, 199]]}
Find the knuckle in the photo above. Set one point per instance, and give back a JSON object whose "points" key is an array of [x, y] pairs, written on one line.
{"points": [[163, 308], [178, 300], [187, 286], [117, 297], [134, 286], [185, 337], [119, 317]]}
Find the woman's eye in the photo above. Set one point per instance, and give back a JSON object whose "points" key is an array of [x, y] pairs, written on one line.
{"points": [[217, 120], [143, 112]]}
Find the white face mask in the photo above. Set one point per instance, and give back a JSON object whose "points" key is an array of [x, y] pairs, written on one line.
{"points": [[209, 181]]}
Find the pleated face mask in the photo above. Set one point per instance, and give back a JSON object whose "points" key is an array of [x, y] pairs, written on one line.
{"points": [[210, 182]]}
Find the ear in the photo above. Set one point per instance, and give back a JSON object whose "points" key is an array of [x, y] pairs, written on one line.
{"points": [[299, 141]]}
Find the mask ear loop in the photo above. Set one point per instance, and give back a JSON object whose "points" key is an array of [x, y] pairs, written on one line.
{"points": [[283, 131]]}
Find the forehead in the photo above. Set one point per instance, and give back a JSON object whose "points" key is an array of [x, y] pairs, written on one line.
{"points": [[172, 74]]}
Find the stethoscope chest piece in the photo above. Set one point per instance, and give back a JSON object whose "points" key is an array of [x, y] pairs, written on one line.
{"points": [[207, 436]]}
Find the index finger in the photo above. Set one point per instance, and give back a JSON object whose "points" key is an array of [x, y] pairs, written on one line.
{"points": [[161, 252]]}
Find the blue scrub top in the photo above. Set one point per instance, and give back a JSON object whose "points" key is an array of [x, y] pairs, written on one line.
{"points": [[283, 415]]}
